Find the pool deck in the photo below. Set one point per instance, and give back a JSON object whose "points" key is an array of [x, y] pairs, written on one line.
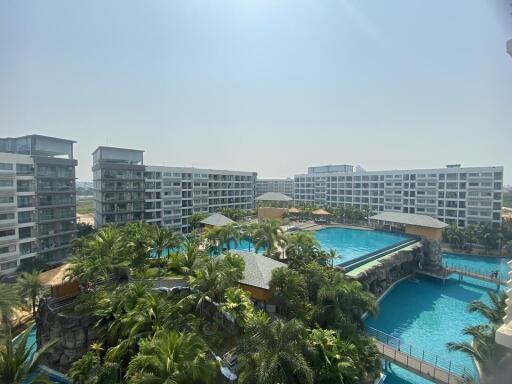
{"points": [[312, 226]]}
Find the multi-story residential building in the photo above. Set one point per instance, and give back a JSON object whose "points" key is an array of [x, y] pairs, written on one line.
{"points": [[453, 194], [118, 179], [284, 186], [127, 190], [37, 200]]}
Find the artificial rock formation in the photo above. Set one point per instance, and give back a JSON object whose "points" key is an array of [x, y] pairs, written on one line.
{"points": [[74, 334]]}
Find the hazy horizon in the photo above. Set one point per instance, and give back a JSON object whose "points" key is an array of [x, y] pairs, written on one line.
{"points": [[265, 86]]}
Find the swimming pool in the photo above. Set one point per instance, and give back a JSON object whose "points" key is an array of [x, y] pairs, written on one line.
{"points": [[353, 243], [434, 314], [32, 346]]}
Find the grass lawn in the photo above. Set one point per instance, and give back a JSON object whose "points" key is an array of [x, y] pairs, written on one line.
{"points": [[84, 207]]}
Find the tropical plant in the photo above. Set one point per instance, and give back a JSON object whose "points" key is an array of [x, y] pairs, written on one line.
{"points": [[191, 258], [341, 304], [237, 303], [491, 357], [289, 292], [268, 235], [172, 357], [495, 312], [196, 219], [229, 233], [9, 299], [17, 363], [274, 352], [30, 287]]}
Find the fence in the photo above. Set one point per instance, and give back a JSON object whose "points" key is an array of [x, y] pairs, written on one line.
{"points": [[420, 355]]}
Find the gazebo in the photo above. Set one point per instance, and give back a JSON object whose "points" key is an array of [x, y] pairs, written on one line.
{"points": [[216, 220], [411, 223], [273, 205], [321, 215]]}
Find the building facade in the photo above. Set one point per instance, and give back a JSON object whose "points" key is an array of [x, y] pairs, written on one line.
{"points": [[127, 190], [453, 194], [37, 200], [284, 186]]}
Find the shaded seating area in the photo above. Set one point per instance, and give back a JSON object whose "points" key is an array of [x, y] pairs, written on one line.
{"points": [[321, 216], [424, 226], [217, 220], [273, 206]]}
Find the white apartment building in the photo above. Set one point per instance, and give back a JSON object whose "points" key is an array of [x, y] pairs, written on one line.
{"points": [[284, 186], [37, 200], [453, 194], [127, 190], [173, 194]]}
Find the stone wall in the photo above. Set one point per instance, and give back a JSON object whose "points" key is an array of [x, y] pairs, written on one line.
{"points": [[74, 334], [401, 264]]}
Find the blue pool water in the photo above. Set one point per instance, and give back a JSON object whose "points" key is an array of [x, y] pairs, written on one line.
{"points": [[353, 243], [434, 314], [32, 345], [481, 264]]}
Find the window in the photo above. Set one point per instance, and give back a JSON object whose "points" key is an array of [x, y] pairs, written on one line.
{"points": [[8, 265], [5, 167], [6, 183], [7, 216], [8, 249], [6, 199], [7, 232]]}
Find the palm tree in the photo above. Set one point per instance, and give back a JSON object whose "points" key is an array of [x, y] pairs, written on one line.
{"points": [[212, 237], [228, 233], [340, 305], [274, 352], [138, 242], [192, 257], [172, 357], [269, 234], [495, 312], [332, 255], [491, 356], [9, 299], [30, 287], [17, 362]]}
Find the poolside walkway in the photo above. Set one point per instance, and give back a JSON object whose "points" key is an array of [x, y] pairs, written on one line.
{"points": [[417, 361]]}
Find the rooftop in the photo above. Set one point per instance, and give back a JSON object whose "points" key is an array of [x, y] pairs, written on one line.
{"points": [[217, 220], [258, 269], [410, 219], [273, 196]]}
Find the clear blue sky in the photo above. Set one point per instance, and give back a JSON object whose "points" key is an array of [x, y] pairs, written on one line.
{"points": [[261, 85]]}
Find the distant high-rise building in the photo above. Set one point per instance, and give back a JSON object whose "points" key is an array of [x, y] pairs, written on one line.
{"points": [[126, 190], [274, 185], [453, 194], [37, 200]]}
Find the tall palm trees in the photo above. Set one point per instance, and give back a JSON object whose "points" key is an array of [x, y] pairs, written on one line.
{"points": [[30, 286], [269, 235], [274, 352], [172, 357], [229, 233]]}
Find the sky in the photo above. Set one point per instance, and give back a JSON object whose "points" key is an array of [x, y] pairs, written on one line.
{"points": [[262, 85]]}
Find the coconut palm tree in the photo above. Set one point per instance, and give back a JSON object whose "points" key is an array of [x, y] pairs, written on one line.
{"points": [[138, 244], [9, 299], [172, 357], [30, 287], [269, 234], [495, 312], [229, 233], [192, 257], [274, 352], [211, 235], [17, 362], [491, 356], [340, 305]]}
